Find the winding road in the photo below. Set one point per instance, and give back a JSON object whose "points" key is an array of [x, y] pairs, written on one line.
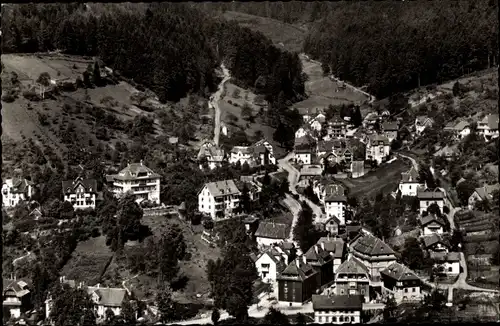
{"points": [[214, 103]]}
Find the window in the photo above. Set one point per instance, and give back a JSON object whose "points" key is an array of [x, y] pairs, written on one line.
{"points": [[341, 319], [414, 290], [450, 269], [341, 291], [362, 291], [406, 290], [320, 319], [334, 319], [201, 206], [265, 265]]}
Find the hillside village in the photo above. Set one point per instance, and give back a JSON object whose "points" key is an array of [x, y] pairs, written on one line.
{"points": [[367, 211]]}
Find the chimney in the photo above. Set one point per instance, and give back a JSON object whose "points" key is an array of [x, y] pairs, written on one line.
{"points": [[141, 162], [316, 248], [297, 262], [304, 259], [323, 245]]}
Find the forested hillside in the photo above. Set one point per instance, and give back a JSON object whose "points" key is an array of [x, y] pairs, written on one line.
{"points": [[170, 48], [390, 46]]}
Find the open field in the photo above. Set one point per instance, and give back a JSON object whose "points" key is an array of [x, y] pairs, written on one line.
{"points": [[323, 91], [89, 261], [384, 179], [285, 35]]}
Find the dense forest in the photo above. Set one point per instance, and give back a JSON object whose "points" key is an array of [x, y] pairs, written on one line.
{"points": [[390, 46], [170, 48]]}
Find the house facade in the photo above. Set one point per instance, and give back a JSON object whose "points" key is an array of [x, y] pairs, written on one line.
{"points": [[409, 183], [401, 283], [219, 199], [336, 128], [390, 130], [377, 148], [447, 263], [488, 127], [16, 190], [428, 197], [343, 309], [81, 193], [16, 297], [297, 283], [269, 264], [435, 243], [336, 247], [322, 262], [260, 153], [460, 130], [353, 278], [422, 122], [211, 155]]}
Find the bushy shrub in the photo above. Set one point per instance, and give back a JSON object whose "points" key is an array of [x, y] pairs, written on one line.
{"points": [[31, 96]]}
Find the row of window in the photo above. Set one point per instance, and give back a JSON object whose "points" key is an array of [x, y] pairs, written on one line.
{"points": [[82, 203], [341, 319]]}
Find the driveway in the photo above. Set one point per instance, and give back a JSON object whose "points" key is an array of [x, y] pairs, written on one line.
{"points": [[214, 102]]}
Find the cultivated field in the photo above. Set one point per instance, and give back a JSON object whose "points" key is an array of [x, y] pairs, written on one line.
{"points": [[89, 261], [384, 179], [323, 91], [285, 35]]}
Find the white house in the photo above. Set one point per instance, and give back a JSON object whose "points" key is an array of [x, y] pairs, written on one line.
{"points": [[212, 154], [303, 131], [16, 190], [377, 148], [431, 224], [16, 297], [103, 298], [260, 153], [483, 193], [315, 124], [269, 264], [81, 193], [138, 180], [337, 309], [448, 263], [428, 197], [488, 127], [401, 283], [242, 154], [332, 196], [303, 156], [269, 233], [218, 199], [422, 122], [459, 130], [409, 183]]}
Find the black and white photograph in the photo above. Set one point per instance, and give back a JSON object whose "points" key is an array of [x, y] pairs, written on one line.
{"points": [[251, 163]]}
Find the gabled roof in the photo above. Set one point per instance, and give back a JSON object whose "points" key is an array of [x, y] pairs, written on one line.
{"points": [[18, 185], [491, 121], [400, 272], [298, 270], [451, 257], [306, 140], [311, 170], [272, 230], [334, 246], [89, 185], [334, 193], [275, 257], [422, 119], [20, 286], [433, 239], [409, 176], [372, 246], [222, 188], [353, 266], [242, 149], [108, 297], [486, 191], [430, 194], [431, 218], [337, 302], [390, 126], [135, 171], [375, 138], [316, 254]]}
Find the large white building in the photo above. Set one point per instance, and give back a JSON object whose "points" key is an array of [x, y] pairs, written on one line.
{"points": [[81, 193], [213, 155], [138, 180], [428, 197], [488, 127], [16, 190], [332, 196], [338, 309], [218, 199], [377, 148], [409, 183], [260, 153]]}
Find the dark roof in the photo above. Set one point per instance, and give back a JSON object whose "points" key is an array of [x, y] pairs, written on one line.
{"points": [[486, 191], [353, 266], [378, 138], [19, 185], [409, 176], [334, 193], [430, 218], [308, 111], [430, 194], [491, 120], [272, 230], [89, 185], [433, 239], [390, 126], [400, 272], [335, 246], [337, 302], [19, 286], [372, 246], [222, 188], [109, 297], [316, 254], [446, 257], [297, 269]]}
